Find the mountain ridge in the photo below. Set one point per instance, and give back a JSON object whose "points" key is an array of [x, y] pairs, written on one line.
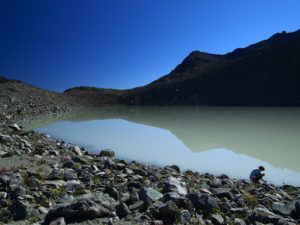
{"points": [[266, 73], [262, 74]]}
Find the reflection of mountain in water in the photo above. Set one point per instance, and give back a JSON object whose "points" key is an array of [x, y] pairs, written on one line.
{"points": [[267, 134]]}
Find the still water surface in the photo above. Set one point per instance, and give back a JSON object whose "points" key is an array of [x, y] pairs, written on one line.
{"points": [[217, 140]]}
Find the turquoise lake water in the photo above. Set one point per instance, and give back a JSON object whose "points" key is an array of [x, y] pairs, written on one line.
{"points": [[217, 140]]}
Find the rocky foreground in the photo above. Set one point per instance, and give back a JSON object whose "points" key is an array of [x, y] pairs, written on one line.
{"points": [[48, 181]]}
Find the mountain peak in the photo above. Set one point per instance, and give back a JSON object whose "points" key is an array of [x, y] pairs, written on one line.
{"points": [[271, 41]]}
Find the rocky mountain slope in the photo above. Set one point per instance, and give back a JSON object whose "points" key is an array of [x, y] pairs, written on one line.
{"points": [[262, 74], [19, 100]]}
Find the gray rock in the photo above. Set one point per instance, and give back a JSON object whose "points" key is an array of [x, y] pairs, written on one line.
{"points": [[39, 151], [4, 214], [180, 201], [86, 206], [33, 182], [17, 191], [198, 200], [238, 221], [283, 221], [55, 183], [3, 195], [185, 216], [94, 168], [56, 174], [173, 196], [217, 219], [173, 184], [66, 198], [140, 172], [70, 174], [125, 197], [282, 209], [169, 209], [15, 127], [79, 160], [212, 203], [266, 216], [72, 185], [11, 179], [175, 167], [122, 210], [5, 138], [297, 211], [107, 153], [68, 164], [113, 192], [134, 197], [222, 192], [20, 210], [54, 152], [42, 210], [58, 221], [150, 193], [110, 164], [237, 210], [77, 151], [136, 205]]}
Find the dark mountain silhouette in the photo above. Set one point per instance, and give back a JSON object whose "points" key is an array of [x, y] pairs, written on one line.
{"points": [[263, 74]]}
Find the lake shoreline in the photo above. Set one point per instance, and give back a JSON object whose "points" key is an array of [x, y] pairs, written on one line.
{"points": [[44, 181]]}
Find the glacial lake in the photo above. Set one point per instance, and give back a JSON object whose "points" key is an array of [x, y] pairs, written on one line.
{"points": [[217, 140]]}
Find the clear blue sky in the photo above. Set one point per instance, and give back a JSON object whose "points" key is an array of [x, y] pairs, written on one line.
{"points": [[58, 44]]}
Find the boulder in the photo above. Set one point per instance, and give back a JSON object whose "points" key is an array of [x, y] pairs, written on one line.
{"points": [[20, 210], [122, 210], [136, 205], [238, 221], [185, 216], [107, 153], [5, 138], [175, 167], [133, 197], [140, 172], [113, 192], [77, 151], [79, 160], [173, 184], [150, 193], [297, 211], [217, 219], [198, 200], [17, 191], [282, 209], [264, 215], [94, 168], [180, 201], [110, 164], [211, 204], [87, 206], [11, 179], [70, 174], [222, 192], [169, 209], [15, 127]]}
